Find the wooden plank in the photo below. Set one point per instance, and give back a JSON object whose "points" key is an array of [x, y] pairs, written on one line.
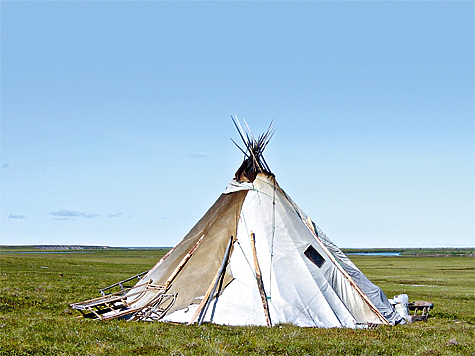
{"points": [[120, 283], [182, 263], [118, 296], [260, 284]]}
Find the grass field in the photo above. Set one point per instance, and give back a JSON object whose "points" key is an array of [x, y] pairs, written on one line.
{"points": [[35, 317]]}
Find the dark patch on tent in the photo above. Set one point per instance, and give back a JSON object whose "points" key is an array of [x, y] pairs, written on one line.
{"points": [[314, 256]]}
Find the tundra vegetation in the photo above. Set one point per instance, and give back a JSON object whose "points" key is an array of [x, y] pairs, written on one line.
{"points": [[36, 289]]}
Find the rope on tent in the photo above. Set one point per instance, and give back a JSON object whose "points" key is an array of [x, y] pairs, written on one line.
{"points": [[248, 263]]}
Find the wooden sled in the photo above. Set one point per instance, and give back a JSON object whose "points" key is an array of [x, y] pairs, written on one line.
{"points": [[420, 310], [120, 304]]}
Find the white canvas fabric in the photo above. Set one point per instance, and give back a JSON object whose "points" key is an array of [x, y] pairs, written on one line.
{"points": [[254, 258], [298, 291]]}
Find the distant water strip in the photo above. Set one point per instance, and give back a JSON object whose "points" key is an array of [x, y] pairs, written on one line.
{"points": [[375, 253]]}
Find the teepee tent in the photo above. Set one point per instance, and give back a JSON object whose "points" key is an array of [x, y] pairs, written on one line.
{"points": [[254, 258]]}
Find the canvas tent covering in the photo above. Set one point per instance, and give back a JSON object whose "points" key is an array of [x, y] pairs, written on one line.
{"points": [[254, 258]]}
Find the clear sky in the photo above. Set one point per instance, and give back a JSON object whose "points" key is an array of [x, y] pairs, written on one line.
{"points": [[115, 117]]}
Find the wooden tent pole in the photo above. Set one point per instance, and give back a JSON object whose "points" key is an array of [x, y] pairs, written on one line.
{"points": [[182, 263], [160, 262], [212, 287], [260, 284]]}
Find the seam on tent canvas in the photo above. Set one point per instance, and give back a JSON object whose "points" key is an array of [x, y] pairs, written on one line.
{"points": [[319, 292], [311, 317], [277, 278]]}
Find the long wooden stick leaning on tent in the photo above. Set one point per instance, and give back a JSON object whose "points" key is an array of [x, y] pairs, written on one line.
{"points": [[203, 307], [182, 263], [260, 284]]}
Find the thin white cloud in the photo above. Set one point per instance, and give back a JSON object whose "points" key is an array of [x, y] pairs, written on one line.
{"points": [[89, 216], [16, 217], [73, 214], [198, 155]]}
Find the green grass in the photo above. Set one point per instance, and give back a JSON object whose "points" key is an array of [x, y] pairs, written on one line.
{"points": [[35, 317]]}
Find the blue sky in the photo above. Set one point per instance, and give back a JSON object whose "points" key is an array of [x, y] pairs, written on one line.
{"points": [[115, 117]]}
